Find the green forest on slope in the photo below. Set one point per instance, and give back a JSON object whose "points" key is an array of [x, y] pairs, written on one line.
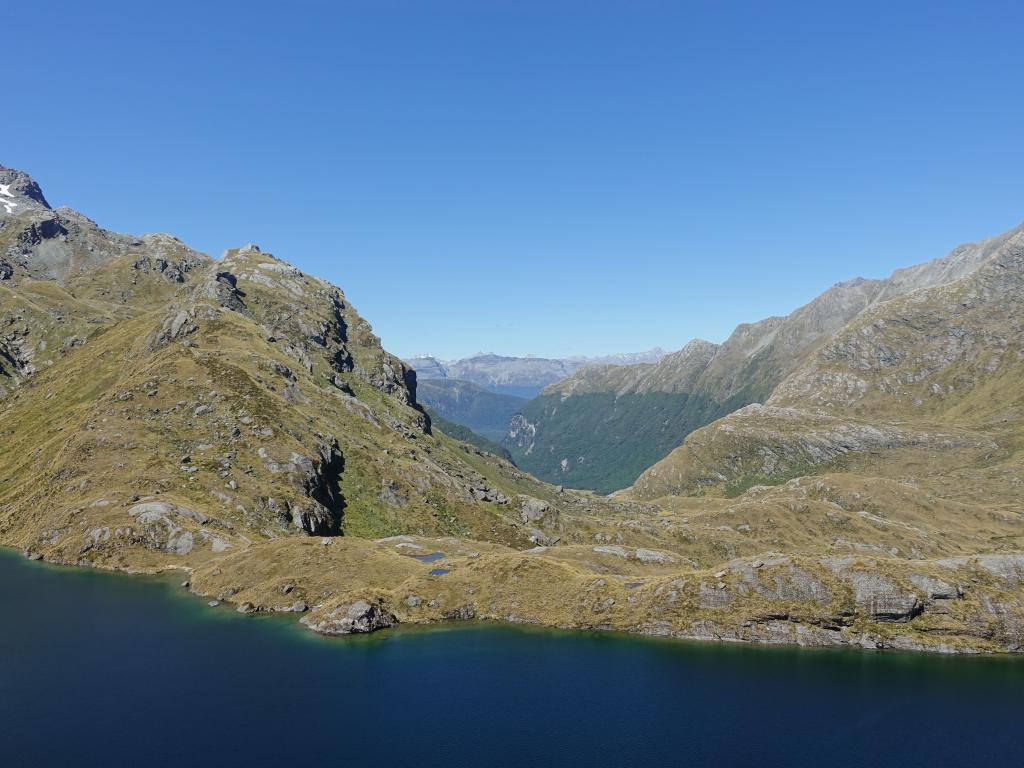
{"points": [[485, 412], [465, 434], [607, 441]]}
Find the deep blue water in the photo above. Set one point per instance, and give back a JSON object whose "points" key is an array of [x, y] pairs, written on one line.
{"points": [[101, 669]]}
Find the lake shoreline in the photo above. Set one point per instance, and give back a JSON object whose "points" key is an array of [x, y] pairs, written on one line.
{"points": [[170, 571], [99, 669]]}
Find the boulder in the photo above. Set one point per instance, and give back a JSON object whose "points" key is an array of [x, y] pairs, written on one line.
{"points": [[653, 556], [536, 511], [358, 617]]}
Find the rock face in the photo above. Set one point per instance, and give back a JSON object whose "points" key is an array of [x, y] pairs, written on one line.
{"points": [[19, 190], [538, 512], [1007, 567], [881, 600], [935, 589]]}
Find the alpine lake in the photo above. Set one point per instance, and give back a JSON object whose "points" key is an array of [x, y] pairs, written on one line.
{"points": [[103, 669]]}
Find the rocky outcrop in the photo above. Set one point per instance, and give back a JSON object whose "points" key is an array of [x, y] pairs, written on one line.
{"points": [[222, 288], [537, 512], [880, 599], [1007, 567], [320, 481], [933, 588], [155, 525], [358, 617], [781, 581], [177, 324]]}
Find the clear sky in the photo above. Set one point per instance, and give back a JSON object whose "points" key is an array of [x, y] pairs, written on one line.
{"points": [[532, 176]]}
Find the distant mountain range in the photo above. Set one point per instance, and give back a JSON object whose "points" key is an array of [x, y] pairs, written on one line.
{"points": [[520, 376], [482, 393]]}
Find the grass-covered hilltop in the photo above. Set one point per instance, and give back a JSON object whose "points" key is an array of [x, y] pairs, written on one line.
{"points": [[850, 475]]}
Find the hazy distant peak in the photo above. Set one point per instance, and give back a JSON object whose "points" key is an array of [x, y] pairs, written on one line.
{"points": [[526, 375]]}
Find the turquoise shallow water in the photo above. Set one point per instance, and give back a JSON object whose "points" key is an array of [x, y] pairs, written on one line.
{"points": [[101, 669]]}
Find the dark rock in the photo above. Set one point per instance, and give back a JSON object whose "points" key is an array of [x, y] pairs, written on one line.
{"points": [[462, 613]]}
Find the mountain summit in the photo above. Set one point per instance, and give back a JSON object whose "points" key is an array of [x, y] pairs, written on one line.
{"points": [[19, 190]]}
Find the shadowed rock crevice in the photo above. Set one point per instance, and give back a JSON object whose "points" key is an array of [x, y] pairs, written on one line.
{"points": [[326, 487]]}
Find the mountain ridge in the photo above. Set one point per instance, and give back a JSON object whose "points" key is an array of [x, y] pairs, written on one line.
{"points": [[744, 369], [528, 373]]}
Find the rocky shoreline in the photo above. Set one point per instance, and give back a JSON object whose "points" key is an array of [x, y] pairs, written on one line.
{"points": [[965, 605]]}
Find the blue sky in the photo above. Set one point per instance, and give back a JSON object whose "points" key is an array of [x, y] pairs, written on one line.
{"points": [[533, 177]]}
